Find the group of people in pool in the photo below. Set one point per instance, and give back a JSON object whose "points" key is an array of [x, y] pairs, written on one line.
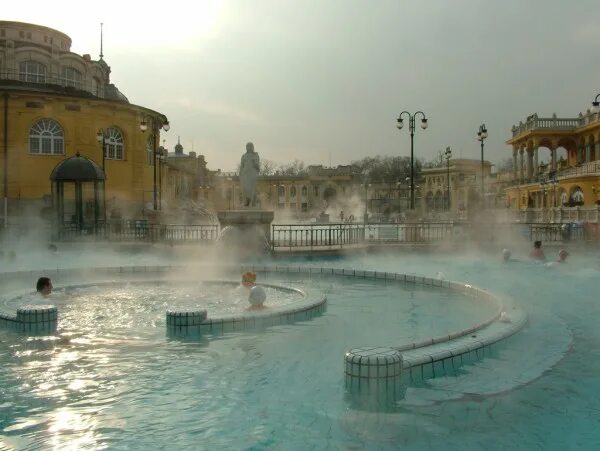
{"points": [[537, 254]]}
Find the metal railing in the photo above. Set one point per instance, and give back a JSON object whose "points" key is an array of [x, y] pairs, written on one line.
{"points": [[422, 232], [311, 236], [140, 231], [316, 235]]}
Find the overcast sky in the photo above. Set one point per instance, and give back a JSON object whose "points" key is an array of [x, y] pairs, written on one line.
{"points": [[314, 80]]}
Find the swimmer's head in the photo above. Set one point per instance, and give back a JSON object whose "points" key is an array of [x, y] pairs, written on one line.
{"points": [[562, 255], [249, 279], [505, 254], [257, 297], [44, 286]]}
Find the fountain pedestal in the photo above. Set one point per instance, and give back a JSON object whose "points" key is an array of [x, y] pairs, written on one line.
{"points": [[246, 228]]}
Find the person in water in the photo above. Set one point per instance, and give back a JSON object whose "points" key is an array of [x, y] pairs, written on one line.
{"points": [[44, 286], [257, 295], [506, 255], [537, 253], [562, 256]]}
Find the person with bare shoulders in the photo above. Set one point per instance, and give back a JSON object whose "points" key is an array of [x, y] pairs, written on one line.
{"points": [[44, 286], [537, 254]]}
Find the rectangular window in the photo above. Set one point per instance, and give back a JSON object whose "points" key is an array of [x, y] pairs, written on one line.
{"points": [[71, 77], [32, 72], [34, 145], [46, 145]]}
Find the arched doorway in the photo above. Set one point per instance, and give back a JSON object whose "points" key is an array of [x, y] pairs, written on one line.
{"points": [[329, 194], [78, 193]]}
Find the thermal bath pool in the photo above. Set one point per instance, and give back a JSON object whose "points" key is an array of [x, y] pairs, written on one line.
{"points": [[282, 388]]}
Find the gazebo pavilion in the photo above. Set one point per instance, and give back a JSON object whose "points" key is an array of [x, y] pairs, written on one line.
{"points": [[78, 193]]}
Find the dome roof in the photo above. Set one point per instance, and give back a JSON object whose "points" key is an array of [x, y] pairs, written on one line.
{"points": [[77, 169]]}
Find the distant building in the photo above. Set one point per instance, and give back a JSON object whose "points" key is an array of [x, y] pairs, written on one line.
{"points": [[303, 196], [58, 103], [556, 162], [465, 187]]}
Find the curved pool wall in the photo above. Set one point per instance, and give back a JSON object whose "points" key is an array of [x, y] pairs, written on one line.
{"points": [[420, 359], [32, 319]]}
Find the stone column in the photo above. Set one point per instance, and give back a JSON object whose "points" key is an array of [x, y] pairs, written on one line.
{"points": [[515, 151], [522, 165], [536, 163], [597, 152], [529, 163], [553, 159], [588, 152]]}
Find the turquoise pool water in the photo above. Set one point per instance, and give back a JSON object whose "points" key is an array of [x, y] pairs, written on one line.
{"points": [[283, 388]]}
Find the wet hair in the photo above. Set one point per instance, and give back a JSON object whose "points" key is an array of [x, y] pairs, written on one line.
{"points": [[52, 247], [42, 283], [249, 277], [537, 244]]}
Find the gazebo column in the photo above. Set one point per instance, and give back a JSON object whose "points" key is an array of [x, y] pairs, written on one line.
{"points": [[536, 162], [515, 172], [588, 152], [79, 205], [529, 163], [553, 158], [522, 164]]}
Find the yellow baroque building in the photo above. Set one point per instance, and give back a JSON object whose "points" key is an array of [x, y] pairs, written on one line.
{"points": [[556, 167], [55, 104]]}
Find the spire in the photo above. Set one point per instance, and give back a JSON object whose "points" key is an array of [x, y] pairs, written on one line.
{"points": [[178, 148], [101, 52]]}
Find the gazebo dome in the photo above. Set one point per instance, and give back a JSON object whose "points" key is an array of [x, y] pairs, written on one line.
{"points": [[77, 169]]}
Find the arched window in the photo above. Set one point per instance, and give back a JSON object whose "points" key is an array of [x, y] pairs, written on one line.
{"points": [[46, 137], [281, 191], [71, 77], [32, 71], [293, 191], [577, 196], [304, 191], [150, 151], [113, 144]]}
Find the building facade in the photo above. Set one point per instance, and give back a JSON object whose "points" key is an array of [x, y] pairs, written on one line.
{"points": [[455, 188], [556, 162], [56, 103], [319, 189]]}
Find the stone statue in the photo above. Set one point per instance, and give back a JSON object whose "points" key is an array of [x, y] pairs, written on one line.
{"points": [[249, 168]]}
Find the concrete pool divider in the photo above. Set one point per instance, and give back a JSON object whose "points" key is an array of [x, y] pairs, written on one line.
{"points": [[33, 319], [195, 322]]}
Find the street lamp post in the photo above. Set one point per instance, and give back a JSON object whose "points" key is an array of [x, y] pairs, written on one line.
{"points": [[481, 136], [156, 126], [448, 155], [596, 105], [543, 185], [411, 128], [162, 156], [366, 216], [101, 138]]}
